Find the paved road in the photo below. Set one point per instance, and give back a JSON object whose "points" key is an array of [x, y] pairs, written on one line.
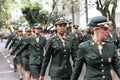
{"points": [[6, 66]]}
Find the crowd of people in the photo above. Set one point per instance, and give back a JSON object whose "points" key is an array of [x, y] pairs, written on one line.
{"points": [[96, 48]]}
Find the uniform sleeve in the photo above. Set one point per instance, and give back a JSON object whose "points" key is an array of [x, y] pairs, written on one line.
{"points": [[73, 54], [46, 59], [14, 41], [78, 63], [16, 47], [116, 63], [23, 47], [8, 41]]}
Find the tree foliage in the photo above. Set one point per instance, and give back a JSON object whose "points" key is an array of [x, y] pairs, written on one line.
{"points": [[5, 14], [104, 7], [1, 12], [34, 13]]}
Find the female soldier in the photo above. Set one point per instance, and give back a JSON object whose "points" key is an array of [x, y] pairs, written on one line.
{"points": [[77, 37], [22, 48], [25, 54], [16, 41], [37, 43], [59, 49], [100, 56], [11, 40], [34, 53]]}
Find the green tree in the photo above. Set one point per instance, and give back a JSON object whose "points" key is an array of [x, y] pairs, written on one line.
{"points": [[53, 15], [1, 13], [5, 12], [34, 13], [104, 7]]}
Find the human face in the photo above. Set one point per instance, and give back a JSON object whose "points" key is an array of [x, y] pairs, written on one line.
{"points": [[75, 30], [111, 30], [15, 30], [37, 30], [101, 33], [20, 33], [28, 33], [61, 29]]}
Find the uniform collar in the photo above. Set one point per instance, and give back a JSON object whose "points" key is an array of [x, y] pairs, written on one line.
{"points": [[97, 43], [37, 36], [62, 37]]}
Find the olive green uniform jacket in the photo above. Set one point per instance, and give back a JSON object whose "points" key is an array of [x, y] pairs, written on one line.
{"points": [[60, 66], [77, 40], [114, 39], [15, 42], [98, 65], [87, 37], [22, 47], [37, 50]]}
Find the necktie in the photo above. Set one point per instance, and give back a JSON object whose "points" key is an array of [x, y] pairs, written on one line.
{"points": [[37, 39], [63, 41], [100, 47]]}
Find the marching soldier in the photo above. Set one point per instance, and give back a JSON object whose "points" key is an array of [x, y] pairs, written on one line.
{"points": [[100, 56], [87, 35], [23, 49], [58, 49], [77, 37], [113, 36], [26, 53], [37, 43], [115, 39], [16, 40], [10, 40]]}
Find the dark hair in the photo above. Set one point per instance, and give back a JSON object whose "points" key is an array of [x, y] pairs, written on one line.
{"points": [[91, 31]]}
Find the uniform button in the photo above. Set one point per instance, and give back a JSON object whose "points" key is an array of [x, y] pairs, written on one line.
{"points": [[64, 55], [103, 77], [101, 59], [65, 61], [39, 56], [103, 70], [64, 50], [102, 65], [38, 48], [65, 66]]}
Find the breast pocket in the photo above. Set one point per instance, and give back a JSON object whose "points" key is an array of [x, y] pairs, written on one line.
{"points": [[56, 48], [92, 59]]}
